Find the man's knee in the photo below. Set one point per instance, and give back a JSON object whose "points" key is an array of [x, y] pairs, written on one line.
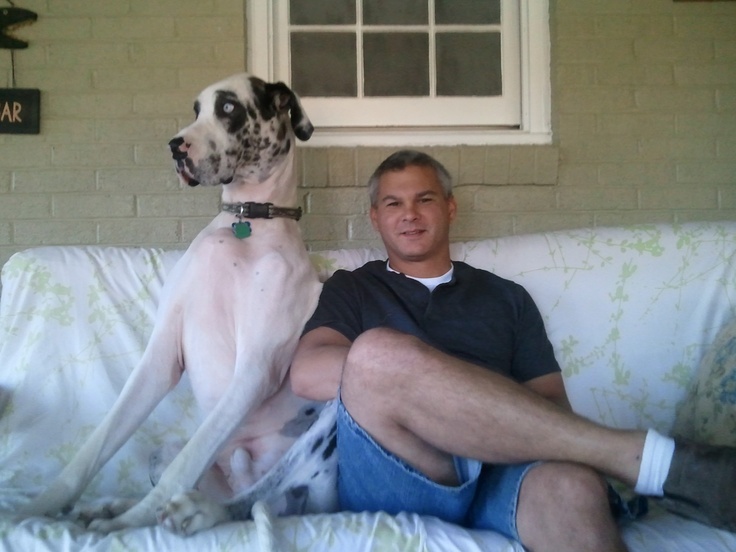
{"points": [[573, 485], [377, 357], [566, 503]]}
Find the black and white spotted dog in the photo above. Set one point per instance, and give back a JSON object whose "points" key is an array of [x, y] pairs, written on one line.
{"points": [[231, 313]]}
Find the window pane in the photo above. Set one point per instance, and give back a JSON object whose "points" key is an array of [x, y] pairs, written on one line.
{"points": [[391, 12], [460, 74], [324, 12], [396, 64], [324, 64], [467, 12]]}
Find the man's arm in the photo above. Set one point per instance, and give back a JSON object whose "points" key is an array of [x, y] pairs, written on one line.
{"points": [[316, 370], [551, 387]]}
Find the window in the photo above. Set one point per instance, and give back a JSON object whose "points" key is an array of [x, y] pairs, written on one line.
{"points": [[381, 72]]}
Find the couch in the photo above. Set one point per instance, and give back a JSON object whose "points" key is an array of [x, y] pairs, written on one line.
{"points": [[630, 312]]}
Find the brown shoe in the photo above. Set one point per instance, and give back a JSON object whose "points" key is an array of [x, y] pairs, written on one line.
{"points": [[701, 484]]}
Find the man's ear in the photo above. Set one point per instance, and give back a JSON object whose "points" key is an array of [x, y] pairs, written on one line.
{"points": [[373, 213], [452, 208]]}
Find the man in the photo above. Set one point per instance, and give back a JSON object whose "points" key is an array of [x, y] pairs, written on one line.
{"points": [[450, 395]]}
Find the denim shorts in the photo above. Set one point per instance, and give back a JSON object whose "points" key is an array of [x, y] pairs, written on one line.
{"points": [[370, 478]]}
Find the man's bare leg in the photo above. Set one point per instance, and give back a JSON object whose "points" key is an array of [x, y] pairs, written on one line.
{"points": [[564, 506], [425, 406]]}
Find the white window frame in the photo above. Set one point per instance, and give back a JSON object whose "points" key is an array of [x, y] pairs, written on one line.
{"points": [[267, 57]]}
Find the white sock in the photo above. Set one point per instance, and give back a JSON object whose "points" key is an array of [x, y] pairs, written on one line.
{"points": [[655, 464]]}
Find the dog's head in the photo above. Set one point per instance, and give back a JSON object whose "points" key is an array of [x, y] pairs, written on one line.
{"points": [[244, 127]]}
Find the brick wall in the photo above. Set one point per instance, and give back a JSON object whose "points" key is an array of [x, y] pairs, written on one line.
{"points": [[644, 116]]}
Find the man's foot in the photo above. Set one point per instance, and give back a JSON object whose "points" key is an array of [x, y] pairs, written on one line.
{"points": [[701, 484]]}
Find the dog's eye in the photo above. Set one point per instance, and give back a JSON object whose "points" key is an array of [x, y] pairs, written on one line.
{"points": [[228, 107]]}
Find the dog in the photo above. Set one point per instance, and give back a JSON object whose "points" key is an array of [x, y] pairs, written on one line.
{"points": [[231, 313]]}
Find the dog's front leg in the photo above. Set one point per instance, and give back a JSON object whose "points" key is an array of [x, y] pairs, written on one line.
{"points": [[157, 372], [198, 454]]}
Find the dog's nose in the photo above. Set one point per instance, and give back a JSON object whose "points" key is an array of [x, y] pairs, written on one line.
{"points": [[176, 151]]}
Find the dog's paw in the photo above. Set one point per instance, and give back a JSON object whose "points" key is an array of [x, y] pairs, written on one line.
{"points": [[191, 512], [104, 509]]}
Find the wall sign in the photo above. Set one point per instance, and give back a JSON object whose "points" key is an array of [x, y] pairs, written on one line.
{"points": [[20, 110]]}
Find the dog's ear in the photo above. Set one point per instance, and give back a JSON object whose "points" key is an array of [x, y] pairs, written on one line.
{"points": [[284, 98]]}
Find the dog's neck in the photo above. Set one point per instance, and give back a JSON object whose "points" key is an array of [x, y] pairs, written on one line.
{"points": [[278, 187]]}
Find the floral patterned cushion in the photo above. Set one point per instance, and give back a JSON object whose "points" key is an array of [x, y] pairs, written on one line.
{"points": [[708, 412]]}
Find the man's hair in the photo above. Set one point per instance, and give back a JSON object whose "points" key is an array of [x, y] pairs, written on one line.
{"points": [[407, 158]]}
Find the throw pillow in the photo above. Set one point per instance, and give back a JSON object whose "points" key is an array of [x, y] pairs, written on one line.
{"points": [[708, 412]]}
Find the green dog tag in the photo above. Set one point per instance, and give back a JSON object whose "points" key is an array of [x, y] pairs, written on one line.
{"points": [[241, 229]]}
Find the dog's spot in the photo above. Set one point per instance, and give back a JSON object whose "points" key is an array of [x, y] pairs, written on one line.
{"points": [[330, 448], [299, 424], [317, 444]]}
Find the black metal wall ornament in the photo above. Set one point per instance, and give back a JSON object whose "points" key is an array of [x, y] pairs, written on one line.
{"points": [[20, 108]]}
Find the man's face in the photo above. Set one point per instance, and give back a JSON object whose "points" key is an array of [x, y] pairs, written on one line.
{"points": [[413, 216]]}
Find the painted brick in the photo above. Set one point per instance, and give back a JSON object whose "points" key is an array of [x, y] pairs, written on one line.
{"points": [[726, 147], [87, 106], [546, 164], [711, 173], [190, 203], [124, 130], [705, 75], [697, 26], [148, 8], [595, 100], [725, 50], [635, 174], [137, 180], [578, 74], [472, 165], [51, 181], [515, 199], [315, 163], [675, 99], [230, 27], [68, 79], [578, 174], [522, 165], [498, 165], [337, 201], [5, 181], [175, 54], [361, 229], [78, 206], [620, 27], [706, 124], [678, 197], [133, 28], [63, 28], [28, 153], [87, 9], [139, 231], [582, 50], [91, 155], [20, 206], [627, 218], [726, 98], [663, 49], [80, 54], [5, 233], [472, 226], [647, 124], [134, 79], [54, 232], [649, 74], [727, 197], [528, 223], [79, 131], [192, 226], [325, 228], [341, 167], [597, 198], [152, 154], [367, 161]]}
